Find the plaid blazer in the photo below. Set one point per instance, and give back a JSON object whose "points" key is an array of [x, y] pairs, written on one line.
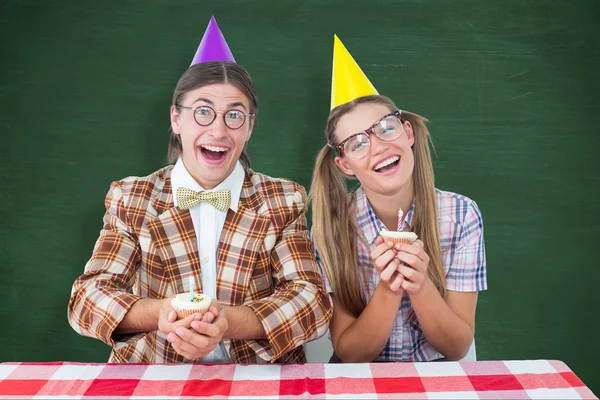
{"points": [[148, 249]]}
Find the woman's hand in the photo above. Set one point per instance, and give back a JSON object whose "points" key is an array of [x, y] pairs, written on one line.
{"points": [[387, 265], [414, 266]]}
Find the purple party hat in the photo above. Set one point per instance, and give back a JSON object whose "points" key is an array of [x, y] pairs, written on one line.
{"points": [[213, 46]]}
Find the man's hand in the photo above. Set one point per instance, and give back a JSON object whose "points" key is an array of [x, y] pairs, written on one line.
{"points": [[202, 335], [167, 318]]}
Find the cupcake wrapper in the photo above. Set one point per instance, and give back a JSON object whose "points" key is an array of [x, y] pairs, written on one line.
{"points": [[405, 241], [181, 314]]}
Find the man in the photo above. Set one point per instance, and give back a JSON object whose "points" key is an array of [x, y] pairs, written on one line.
{"points": [[241, 237]]}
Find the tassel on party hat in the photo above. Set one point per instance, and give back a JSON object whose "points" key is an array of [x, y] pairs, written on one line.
{"points": [[348, 82], [213, 46]]}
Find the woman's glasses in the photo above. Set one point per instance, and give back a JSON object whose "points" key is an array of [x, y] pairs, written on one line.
{"points": [[388, 128]]}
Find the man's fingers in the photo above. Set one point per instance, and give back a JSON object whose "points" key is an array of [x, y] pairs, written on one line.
{"points": [[207, 329], [171, 326], [197, 341], [215, 307], [187, 321], [208, 317], [182, 347]]}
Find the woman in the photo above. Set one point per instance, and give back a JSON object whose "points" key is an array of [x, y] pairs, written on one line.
{"points": [[403, 302]]}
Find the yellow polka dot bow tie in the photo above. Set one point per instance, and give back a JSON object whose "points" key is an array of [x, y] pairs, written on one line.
{"points": [[188, 198]]}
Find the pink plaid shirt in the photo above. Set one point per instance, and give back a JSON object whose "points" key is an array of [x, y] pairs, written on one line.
{"points": [[463, 258]]}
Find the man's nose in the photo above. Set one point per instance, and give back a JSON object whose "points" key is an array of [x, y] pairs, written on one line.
{"points": [[218, 128]]}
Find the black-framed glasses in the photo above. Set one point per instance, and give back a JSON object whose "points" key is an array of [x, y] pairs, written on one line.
{"points": [[205, 115], [388, 128]]}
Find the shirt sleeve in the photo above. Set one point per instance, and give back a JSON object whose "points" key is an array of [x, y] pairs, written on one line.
{"points": [[467, 265], [102, 296]]}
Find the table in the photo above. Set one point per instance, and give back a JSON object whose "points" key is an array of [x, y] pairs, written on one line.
{"points": [[466, 380]]}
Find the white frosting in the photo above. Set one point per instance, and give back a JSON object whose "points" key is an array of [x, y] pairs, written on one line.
{"points": [[182, 302]]}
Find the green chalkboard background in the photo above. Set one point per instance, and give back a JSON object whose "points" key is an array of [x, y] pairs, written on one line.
{"points": [[511, 89]]}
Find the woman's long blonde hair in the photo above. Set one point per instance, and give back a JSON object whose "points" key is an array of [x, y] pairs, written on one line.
{"points": [[335, 232]]}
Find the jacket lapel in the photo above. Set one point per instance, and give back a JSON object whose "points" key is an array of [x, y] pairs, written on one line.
{"points": [[174, 239]]}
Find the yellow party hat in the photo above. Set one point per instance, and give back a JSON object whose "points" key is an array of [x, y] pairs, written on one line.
{"points": [[348, 82]]}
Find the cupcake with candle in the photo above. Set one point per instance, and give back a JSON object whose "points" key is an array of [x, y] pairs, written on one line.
{"points": [[399, 236], [186, 304]]}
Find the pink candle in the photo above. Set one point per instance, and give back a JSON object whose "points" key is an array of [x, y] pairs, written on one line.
{"points": [[400, 219]]}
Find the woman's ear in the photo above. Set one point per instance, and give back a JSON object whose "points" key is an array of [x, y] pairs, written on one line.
{"points": [[409, 132], [344, 166]]}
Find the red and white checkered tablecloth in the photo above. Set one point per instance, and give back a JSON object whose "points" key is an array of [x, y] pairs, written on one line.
{"points": [[466, 380]]}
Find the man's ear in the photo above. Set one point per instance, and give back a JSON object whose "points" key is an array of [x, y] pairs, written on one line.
{"points": [[175, 120], [251, 121]]}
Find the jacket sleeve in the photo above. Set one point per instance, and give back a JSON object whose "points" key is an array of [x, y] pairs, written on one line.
{"points": [[102, 296], [299, 310]]}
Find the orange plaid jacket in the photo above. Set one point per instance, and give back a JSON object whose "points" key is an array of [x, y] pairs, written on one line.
{"points": [[148, 249]]}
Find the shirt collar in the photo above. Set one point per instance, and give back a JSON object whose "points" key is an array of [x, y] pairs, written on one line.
{"points": [[367, 220], [180, 177]]}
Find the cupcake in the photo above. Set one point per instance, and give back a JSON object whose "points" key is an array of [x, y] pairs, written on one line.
{"points": [[399, 237], [186, 305]]}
